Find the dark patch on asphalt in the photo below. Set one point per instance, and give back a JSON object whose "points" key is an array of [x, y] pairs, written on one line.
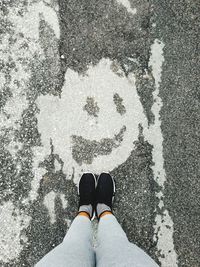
{"points": [[145, 86], [85, 151], [7, 175], [101, 29], [91, 107], [46, 75], [135, 200], [119, 106], [6, 67], [116, 68], [28, 132]]}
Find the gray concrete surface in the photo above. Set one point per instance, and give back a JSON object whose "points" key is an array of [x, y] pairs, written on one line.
{"points": [[100, 85]]}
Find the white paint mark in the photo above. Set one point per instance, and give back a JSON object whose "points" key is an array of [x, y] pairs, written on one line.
{"points": [[29, 23], [60, 118], [163, 229], [39, 154], [127, 5], [49, 202], [13, 222], [69, 222], [64, 201], [57, 165], [133, 60], [2, 81]]}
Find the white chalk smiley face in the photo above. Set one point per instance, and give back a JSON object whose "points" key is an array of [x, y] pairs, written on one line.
{"points": [[94, 123]]}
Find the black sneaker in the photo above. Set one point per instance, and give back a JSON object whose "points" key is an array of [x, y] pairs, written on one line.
{"points": [[86, 190], [105, 191]]}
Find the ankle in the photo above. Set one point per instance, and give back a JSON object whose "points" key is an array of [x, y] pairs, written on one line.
{"points": [[83, 213], [86, 209], [104, 213], [101, 208]]}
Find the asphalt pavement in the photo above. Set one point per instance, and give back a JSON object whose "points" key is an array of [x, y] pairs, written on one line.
{"points": [[100, 86]]}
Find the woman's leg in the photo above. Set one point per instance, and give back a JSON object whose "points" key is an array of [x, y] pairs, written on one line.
{"points": [[76, 249], [114, 249]]}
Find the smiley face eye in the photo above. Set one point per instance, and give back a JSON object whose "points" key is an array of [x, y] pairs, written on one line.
{"points": [[91, 107], [118, 101]]}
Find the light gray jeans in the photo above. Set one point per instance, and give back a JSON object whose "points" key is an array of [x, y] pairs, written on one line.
{"points": [[113, 248]]}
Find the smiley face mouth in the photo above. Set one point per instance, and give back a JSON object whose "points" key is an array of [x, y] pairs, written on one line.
{"points": [[85, 151]]}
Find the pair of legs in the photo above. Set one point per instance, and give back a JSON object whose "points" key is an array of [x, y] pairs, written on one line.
{"points": [[113, 247]]}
